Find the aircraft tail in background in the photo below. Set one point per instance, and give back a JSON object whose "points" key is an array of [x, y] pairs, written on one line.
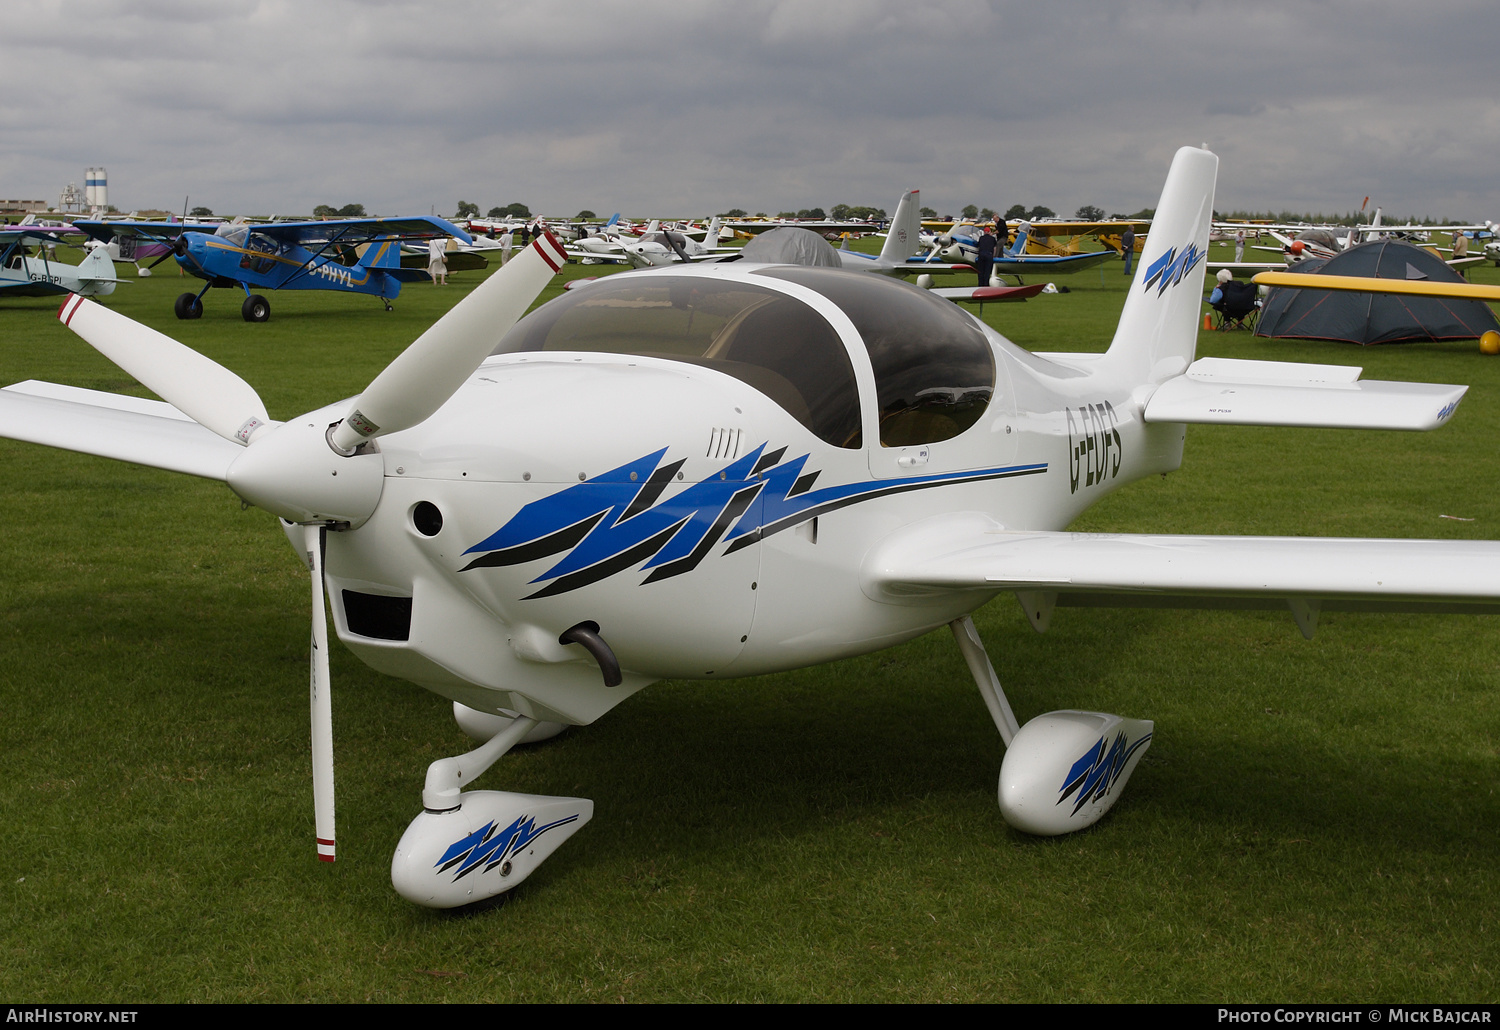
{"points": [[904, 237], [96, 273]]}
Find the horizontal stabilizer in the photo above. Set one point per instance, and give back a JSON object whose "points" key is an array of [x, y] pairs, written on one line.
{"points": [[1236, 392], [955, 552], [109, 425]]}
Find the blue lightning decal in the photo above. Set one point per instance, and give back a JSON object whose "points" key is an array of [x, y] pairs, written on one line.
{"points": [[485, 847], [1169, 269], [617, 522], [1094, 775]]}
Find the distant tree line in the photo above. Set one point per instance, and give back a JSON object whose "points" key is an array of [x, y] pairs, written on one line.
{"points": [[347, 211], [1352, 218]]}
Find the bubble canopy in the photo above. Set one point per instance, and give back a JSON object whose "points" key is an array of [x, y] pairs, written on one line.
{"points": [[934, 370]]}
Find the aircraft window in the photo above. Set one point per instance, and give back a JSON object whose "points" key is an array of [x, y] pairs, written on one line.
{"points": [[934, 371], [774, 343], [237, 238], [264, 248]]}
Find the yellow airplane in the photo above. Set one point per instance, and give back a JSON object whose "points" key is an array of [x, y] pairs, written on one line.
{"points": [[1070, 237]]}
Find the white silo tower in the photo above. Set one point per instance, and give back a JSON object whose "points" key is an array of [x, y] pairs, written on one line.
{"points": [[95, 189]]}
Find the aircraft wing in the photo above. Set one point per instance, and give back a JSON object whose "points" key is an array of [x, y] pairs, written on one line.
{"points": [[1370, 284], [11, 234], [355, 231], [1047, 229], [153, 232], [114, 426], [915, 266], [984, 294], [1041, 264], [593, 255], [966, 551]]}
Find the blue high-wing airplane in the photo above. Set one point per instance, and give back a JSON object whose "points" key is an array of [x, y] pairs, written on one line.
{"points": [[358, 255], [961, 244]]}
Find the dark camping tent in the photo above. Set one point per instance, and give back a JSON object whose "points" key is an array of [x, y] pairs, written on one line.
{"points": [[1375, 318]]}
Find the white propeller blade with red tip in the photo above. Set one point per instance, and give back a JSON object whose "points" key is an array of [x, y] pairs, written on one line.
{"points": [[195, 385], [427, 373]]}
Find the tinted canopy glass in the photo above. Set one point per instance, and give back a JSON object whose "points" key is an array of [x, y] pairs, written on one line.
{"points": [[934, 370], [773, 342]]}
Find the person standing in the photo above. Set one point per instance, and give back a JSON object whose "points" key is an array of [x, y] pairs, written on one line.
{"points": [[1239, 246], [1127, 246], [437, 262], [1460, 249], [1002, 236], [986, 262], [507, 240]]}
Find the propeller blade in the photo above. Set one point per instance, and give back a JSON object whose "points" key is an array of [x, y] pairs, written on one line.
{"points": [[427, 373], [159, 260], [177, 249], [322, 704], [677, 247], [196, 385]]}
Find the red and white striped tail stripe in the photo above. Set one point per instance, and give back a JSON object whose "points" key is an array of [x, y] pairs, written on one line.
{"points": [[551, 251], [325, 850]]}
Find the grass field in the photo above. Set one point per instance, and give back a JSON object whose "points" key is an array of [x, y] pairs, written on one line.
{"points": [[1315, 821]]}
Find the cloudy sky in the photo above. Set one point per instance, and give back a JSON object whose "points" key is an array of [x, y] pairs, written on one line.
{"points": [[694, 106]]}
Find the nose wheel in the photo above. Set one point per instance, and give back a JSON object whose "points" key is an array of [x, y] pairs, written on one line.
{"points": [[469, 845]]}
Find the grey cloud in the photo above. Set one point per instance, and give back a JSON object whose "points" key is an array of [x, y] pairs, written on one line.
{"points": [[657, 106]]}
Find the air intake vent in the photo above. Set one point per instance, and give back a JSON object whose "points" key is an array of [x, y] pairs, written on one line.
{"points": [[372, 615], [724, 443]]}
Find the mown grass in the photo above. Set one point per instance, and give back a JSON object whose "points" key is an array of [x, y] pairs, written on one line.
{"points": [[1315, 821]]}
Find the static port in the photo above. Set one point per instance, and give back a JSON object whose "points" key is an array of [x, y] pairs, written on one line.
{"points": [[426, 517]]}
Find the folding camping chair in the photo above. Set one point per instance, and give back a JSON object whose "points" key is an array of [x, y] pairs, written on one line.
{"points": [[1239, 306]]}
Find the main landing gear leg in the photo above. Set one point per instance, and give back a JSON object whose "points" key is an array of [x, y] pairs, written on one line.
{"points": [[466, 846], [984, 677], [1062, 771]]}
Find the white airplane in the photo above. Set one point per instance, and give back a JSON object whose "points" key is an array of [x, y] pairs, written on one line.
{"points": [[654, 249], [25, 275], [723, 470]]}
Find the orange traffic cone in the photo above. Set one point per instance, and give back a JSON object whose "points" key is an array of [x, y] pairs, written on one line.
{"points": [[1208, 322]]}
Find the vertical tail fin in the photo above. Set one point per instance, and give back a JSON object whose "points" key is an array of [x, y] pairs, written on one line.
{"points": [[97, 267], [1158, 332], [904, 238], [96, 274], [381, 253]]}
